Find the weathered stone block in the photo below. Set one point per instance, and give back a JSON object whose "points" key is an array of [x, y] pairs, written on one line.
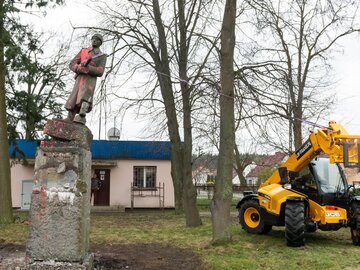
{"points": [[63, 130], [60, 205], [58, 168]]}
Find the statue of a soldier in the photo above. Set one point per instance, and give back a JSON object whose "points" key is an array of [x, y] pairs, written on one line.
{"points": [[88, 64]]}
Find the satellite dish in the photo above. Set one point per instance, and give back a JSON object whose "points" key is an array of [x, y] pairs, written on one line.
{"points": [[113, 134]]}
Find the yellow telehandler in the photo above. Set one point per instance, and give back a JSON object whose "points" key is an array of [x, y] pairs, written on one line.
{"points": [[309, 190]]}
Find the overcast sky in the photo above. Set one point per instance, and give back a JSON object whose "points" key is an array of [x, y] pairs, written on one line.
{"points": [[346, 67]]}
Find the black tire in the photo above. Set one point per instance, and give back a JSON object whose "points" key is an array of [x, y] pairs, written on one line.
{"points": [[295, 223], [251, 219], [355, 224]]}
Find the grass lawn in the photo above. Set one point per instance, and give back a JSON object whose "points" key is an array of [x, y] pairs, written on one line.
{"points": [[203, 203], [323, 250]]}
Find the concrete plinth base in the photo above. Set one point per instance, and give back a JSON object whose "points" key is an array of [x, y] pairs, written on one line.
{"points": [[60, 200]]}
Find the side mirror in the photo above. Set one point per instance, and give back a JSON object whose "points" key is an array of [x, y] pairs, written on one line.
{"points": [[283, 172]]}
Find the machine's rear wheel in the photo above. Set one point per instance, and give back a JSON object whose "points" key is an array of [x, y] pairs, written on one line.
{"points": [[355, 227], [250, 218], [295, 223]]}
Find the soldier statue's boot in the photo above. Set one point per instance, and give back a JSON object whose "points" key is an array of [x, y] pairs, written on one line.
{"points": [[84, 108], [80, 118]]}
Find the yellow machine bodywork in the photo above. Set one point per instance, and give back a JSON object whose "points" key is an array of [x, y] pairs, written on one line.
{"points": [[272, 197], [334, 141], [280, 201]]}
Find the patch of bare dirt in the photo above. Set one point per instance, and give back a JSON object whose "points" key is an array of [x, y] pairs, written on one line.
{"points": [[132, 257], [145, 257], [11, 254]]}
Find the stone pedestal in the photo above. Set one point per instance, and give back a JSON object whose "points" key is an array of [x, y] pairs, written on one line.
{"points": [[60, 200]]}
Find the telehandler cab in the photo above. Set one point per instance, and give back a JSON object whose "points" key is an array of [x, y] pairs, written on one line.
{"points": [[309, 191]]}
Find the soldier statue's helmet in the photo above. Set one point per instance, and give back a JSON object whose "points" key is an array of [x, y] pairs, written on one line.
{"points": [[98, 36]]}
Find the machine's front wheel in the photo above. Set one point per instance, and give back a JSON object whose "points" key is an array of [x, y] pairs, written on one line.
{"points": [[250, 218], [295, 223], [355, 227]]}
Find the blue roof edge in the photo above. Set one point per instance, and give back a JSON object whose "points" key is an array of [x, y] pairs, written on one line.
{"points": [[102, 149]]}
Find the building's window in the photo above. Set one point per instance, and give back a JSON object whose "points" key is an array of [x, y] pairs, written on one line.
{"points": [[144, 176]]}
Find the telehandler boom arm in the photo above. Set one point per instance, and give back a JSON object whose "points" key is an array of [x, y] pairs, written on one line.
{"points": [[335, 141]]}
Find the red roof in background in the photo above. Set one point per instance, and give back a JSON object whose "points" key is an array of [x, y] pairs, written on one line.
{"points": [[267, 162]]}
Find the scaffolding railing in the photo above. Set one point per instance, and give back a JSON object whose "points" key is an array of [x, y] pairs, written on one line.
{"points": [[157, 191]]}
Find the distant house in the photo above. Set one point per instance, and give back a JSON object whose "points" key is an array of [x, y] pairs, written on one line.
{"points": [[236, 179], [352, 176], [132, 173], [201, 174], [268, 162]]}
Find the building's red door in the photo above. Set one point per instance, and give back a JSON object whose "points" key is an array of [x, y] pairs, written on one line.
{"points": [[102, 196]]}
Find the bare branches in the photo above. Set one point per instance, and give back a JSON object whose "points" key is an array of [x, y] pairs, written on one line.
{"points": [[296, 39]]}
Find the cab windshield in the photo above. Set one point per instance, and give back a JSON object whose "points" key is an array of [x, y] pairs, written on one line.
{"points": [[328, 176]]}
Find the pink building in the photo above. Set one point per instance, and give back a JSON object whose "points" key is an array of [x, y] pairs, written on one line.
{"points": [[128, 173]]}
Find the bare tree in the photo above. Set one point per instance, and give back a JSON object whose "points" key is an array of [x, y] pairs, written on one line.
{"points": [[221, 203], [241, 162], [183, 47], [161, 42], [294, 43], [179, 156], [207, 125]]}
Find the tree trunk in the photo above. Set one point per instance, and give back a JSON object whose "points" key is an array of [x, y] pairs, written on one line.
{"points": [[177, 152], [163, 68], [177, 176], [297, 129], [221, 203], [5, 180], [239, 167], [190, 194]]}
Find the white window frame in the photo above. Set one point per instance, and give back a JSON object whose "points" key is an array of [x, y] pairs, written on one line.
{"points": [[144, 179]]}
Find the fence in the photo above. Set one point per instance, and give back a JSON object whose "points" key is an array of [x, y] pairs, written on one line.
{"points": [[208, 190], [158, 191]]}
